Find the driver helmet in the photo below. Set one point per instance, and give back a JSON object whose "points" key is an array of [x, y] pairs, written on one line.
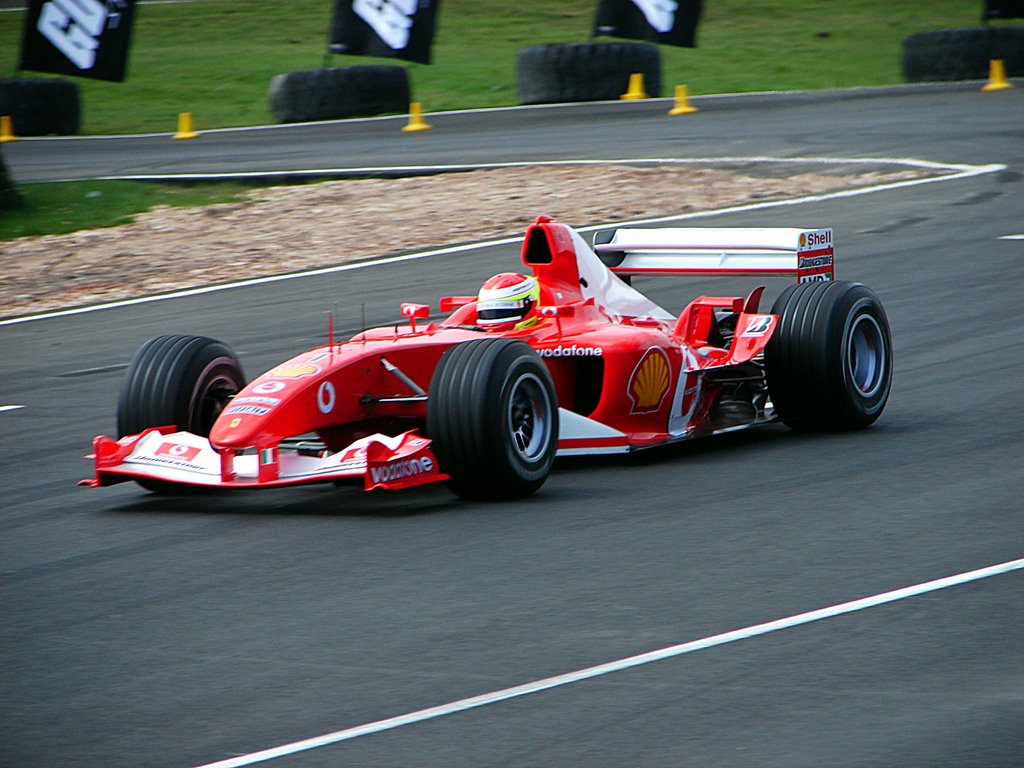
{"points": [[508, 301]]}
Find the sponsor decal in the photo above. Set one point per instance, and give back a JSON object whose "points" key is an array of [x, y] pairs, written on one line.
{"points": [[810, 262], [234, 422], [319, 356], [294, 371], [248, 410], [650, 381], [824, 277], [269, 387], [177, 451], [326, 397], [270, 401], [758, 326], [572, 351], [169, 454], [268, 456], [397, 470], [815, 239]]}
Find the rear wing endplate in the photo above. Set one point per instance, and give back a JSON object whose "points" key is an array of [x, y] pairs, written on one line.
{"points": [[709, 251]]}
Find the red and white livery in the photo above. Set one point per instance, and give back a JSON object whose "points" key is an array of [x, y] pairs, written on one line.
{"points": [[598, 368]]}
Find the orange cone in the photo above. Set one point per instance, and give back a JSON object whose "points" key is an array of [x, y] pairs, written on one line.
{"points": [[6, 129], [635, 89], [996, 77], [682, 105], [416, 122], [185, 127]]}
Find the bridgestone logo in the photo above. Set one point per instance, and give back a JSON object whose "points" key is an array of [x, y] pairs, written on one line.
{"points": [[396, 470], [572, 351], [809, 262]]}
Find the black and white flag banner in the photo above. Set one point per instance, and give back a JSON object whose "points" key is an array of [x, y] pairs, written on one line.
{"points": [[87, 38], [672, 22], [401, 29]]}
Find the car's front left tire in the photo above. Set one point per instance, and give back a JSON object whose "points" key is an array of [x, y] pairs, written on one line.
{"points": [[492, 414]]}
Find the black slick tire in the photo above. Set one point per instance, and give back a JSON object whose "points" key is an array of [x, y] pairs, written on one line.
{"points": [[41, 106], [181, 381], [829, 361], [568, 72], [339, 92], [492, 414], [962, 54]]}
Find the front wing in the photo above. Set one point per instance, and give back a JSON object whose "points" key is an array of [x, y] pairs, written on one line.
{"points": [[164, 455]]}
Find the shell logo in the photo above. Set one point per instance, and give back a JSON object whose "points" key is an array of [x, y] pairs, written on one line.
{"points": [[650, 381], [803, 240], [294, 371]]}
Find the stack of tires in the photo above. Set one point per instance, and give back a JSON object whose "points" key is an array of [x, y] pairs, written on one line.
{"points": [[962, 54], [338, 92], [40, 107], [567, 72]]}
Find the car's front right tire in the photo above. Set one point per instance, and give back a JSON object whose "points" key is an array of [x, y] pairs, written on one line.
{"points": [[492, 414]]}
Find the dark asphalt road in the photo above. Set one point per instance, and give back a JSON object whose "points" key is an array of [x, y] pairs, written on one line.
{"points": [[141, 631]]}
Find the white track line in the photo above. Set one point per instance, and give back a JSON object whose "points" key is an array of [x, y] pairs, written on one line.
{"points": [[616, 666], [10, 407], [957, 172], [1012, 237], [438, 169]]}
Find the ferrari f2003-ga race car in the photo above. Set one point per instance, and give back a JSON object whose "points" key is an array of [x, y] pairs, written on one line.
{"points": [[597, 368]]}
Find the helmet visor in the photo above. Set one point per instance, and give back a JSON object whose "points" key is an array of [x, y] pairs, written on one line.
{"points": [[496, 311]]}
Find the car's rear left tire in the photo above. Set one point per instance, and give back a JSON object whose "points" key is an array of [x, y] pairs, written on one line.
{"points": [[492, 414], [829, 362]]}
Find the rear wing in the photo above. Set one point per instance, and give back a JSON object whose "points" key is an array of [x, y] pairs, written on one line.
{"points": [[806, 253]]}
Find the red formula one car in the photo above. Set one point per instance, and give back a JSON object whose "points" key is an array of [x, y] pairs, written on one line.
{"points": [[566, 359]]}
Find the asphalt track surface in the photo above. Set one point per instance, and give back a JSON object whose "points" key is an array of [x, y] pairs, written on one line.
{"points": [[147, 631]]}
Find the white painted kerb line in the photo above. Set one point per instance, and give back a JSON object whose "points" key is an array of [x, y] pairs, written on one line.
{"points": [[10, 407], [475, 702]]}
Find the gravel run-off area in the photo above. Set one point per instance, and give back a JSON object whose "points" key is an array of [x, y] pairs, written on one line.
{"points": [[294, 228]]}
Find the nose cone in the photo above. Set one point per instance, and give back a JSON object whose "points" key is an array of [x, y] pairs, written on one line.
{"points": [[252, 414], [239, 424]]}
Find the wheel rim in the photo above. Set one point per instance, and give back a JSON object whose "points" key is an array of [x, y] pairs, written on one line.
{"points": [[529, 418], [866, 353], [210, 399]]}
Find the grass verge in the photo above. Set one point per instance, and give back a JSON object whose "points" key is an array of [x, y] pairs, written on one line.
{"points": [[55, 208], [215, 58]]}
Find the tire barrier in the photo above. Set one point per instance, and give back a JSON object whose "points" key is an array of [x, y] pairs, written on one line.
{"points": [[40, 107], [962, 54], [10, 198], [339, 92], [566, 72]]}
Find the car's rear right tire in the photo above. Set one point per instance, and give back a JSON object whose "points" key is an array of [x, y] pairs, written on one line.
{"points": [[829, 361]]}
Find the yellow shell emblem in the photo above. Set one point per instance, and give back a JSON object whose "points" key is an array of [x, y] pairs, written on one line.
{"points": [[649, 382], [293, 371]]}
